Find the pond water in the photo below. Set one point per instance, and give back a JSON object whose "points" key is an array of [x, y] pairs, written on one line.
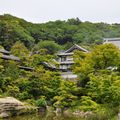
{"points": [[44, 117], [53, 117]]}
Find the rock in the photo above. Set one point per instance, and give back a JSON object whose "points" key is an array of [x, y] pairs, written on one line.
{"points": [[118, 116], [68, 113], [83, 114], [10, 106], [42, 109], [58, 110], [77, 113], [4, 115]]}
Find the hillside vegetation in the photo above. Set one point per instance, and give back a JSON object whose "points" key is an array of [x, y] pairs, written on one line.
{"points": [[97, 88], [65, 33]]}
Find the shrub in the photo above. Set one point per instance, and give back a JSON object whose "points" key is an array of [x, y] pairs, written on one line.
{"points": [[86, 104], [41, 102]]}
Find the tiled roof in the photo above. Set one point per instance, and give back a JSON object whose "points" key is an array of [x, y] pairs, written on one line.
{"points": [[26, 68], [111, 39], [49, 65], [75, 46], [4, 51], [10, 57], [64, 54], [67, 62]]}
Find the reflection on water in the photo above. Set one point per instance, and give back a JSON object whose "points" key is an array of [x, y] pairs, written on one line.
{"points": [[53, 116], [44, 117]]}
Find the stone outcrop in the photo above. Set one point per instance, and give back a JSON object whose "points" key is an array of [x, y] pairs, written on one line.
{"points": [[78, 113], [83, 114], [10, 106]]}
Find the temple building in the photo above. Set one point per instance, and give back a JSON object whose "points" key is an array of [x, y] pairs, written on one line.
{"points": [[66, 61], [6, 55], [115, 41]]}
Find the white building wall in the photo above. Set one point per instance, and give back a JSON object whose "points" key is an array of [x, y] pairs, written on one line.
{"points": [[115, 41]]}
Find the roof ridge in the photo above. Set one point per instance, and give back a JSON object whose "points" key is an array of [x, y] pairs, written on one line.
{"points": [[76, 46]]}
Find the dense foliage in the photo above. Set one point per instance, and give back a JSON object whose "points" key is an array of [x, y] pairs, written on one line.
{"points": [[65, 33], [98, 71], [99, 74]]}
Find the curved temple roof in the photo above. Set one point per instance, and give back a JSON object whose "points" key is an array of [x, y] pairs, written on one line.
{"points": [[75, 46], [6, 55], [10, 57], [4, 51]]}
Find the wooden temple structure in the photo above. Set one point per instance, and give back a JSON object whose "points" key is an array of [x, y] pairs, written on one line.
{"points": [[66, 61], [6, 55]]}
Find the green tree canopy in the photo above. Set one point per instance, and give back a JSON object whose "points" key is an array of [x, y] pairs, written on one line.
{"points": [[50, 46]]}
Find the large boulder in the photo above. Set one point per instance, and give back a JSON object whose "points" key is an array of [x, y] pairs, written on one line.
{"points": [[10, 106]]}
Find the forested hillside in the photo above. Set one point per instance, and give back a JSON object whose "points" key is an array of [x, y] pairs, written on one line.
{"points": [[64, 33], [97, 88]]}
